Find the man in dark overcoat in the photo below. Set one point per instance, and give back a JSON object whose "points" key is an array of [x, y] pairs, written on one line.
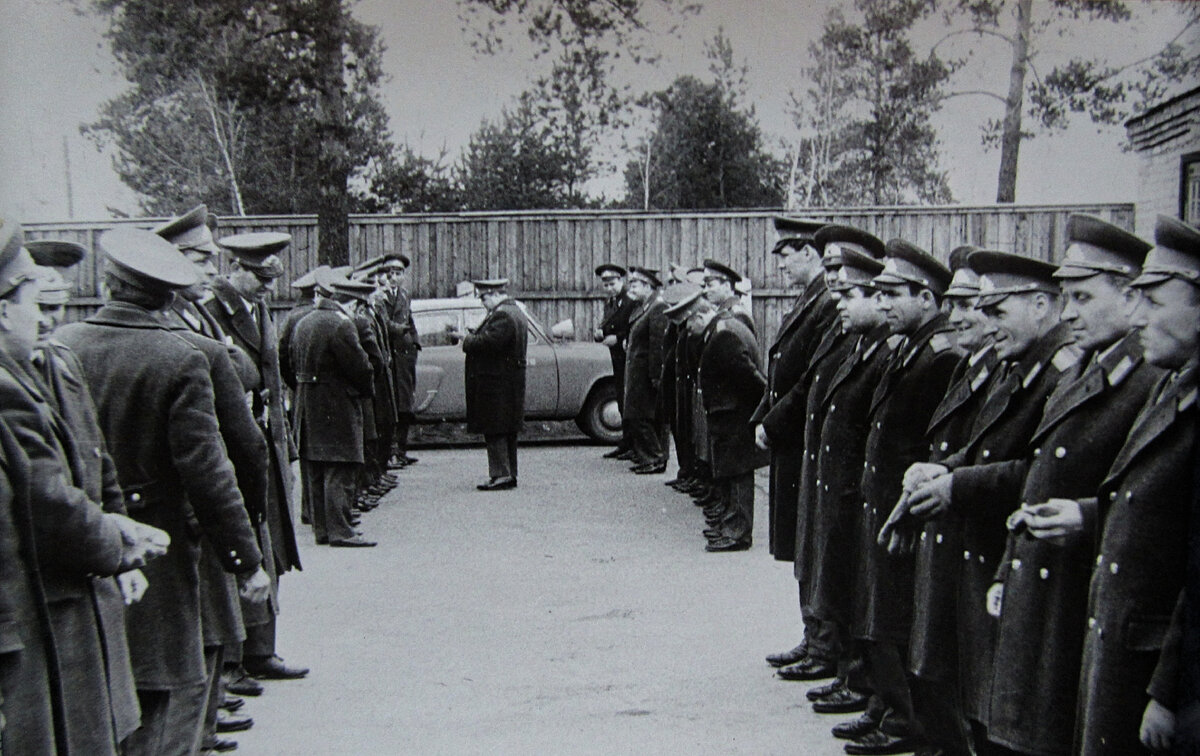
{"points": [[731, 383], [405, 344], [495, 380], [1129, 691], [643, 372], [933, 644], [332, 377], [795, 425], [239, 306], [677, 387], [1041, 589], [155, 402], [612, 333], [1021, 300], [27, 703], [103, 709], [909, 291]]}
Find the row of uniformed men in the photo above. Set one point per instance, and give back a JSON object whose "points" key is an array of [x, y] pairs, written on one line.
{"points": [[983, 474], [689, 362], [157, 426]]}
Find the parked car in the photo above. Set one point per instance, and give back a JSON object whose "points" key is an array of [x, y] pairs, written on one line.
{"points": [[564, 379]]}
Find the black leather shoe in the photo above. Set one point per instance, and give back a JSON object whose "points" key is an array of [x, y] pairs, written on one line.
{"points": [[879, 742], [241, 684], [841, 701], [217, 745], [498, 484], [653, 468], [614, 453], [855, 728], [232, 703], [808, 669], [791, 656], [626, 456], [812, 694], [273, 668], [230, 723], [727, 544], [407, 460], [357, 542]]}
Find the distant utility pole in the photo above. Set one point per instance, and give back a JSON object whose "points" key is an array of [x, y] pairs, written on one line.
{"points": [[70, 189]]}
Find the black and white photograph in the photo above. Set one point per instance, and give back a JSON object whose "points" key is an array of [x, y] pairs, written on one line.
{"points": [[599, 377]]}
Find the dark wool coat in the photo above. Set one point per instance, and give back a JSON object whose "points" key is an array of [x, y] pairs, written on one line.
{"points": [[1139, 571], [1039, 638], [933, 642], [983, 493], [827, 575], [614, 321], [333, 374], [788, 361], [405, 344], [287, 330], [73, 597], [154, 401], [93, 473], [731, 383], [221, 608], [835, 348], [643, 359], [910, 389], [28, 702], [495, 371], [261, 343]]}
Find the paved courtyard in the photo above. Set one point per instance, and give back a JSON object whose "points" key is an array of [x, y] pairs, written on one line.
{"points": [[578, 614]]}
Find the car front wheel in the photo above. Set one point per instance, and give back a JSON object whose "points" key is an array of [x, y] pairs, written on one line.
{"points": [[601, 417]]}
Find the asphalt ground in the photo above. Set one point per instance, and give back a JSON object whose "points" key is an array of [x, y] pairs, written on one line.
{"points": [[578, 614]]}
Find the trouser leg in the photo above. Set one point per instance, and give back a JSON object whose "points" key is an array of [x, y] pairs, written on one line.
{"points": [[401, 433], [937, 706], [312, 491], [889, 680], [214, 658], [339, 489], [172, 722], [512, 453], [499, 455], [260, 638], [739, 513]]}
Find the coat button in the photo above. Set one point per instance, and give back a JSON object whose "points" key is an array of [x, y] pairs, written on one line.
{"points": [[981, 558], [945, 445], [1016, 564], [96, 452], [923, 534], [939, 538], [1099, 560], [1037, 452], [1045, 573], [1129, 496], [237, 561], [878, 425], [826, 447], [135, 497], [966, 556], [1114, 567], [1060, 452], [818, 481], [987, 453], [832, 407], [1091, 621], [1112, 496]]}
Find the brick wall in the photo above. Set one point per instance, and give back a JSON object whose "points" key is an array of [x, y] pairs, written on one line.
{"points": [[1159, 181]]}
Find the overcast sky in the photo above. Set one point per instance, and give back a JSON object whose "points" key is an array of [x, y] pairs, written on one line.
{"points": [[56, 71]]}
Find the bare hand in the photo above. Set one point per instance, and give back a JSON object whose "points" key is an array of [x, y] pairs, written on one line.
{"points": [[887, 533], [256, 587], [932, 498], [760, 438], [139, 542], [920, 473], [1158, 727], [1055, 520], [597, 334], [995, 599], [133, 585], [609, 340]]}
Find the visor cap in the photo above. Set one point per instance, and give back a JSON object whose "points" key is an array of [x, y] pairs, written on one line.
{"points": [[1002, 274], [146, 260], [857, 269], [1176, 253], [610, 268], [647, 274], [259, 251], [1096, 246], [190, 231], [722, 270], [908, 263]]}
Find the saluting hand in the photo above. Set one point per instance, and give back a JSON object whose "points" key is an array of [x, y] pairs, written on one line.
{"points": [[256, 587]]}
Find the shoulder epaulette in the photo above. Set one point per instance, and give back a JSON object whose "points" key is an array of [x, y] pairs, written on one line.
{"points": [[227, 306], [1065, 358], [895, 340], [1120, 371], [940, 342], [1033, 373], [722, 325], [343, 316]]}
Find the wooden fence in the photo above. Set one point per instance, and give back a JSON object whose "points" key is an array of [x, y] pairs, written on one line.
{"points": [[550, 256]]}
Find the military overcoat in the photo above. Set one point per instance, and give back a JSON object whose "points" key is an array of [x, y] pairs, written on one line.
{"points": [[788, 361], [1139, 571], [495, 371], [643, 359], [1039, 637], [983, 492], [333, 374], [731, 382], [910, 389], [154, 400]]}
